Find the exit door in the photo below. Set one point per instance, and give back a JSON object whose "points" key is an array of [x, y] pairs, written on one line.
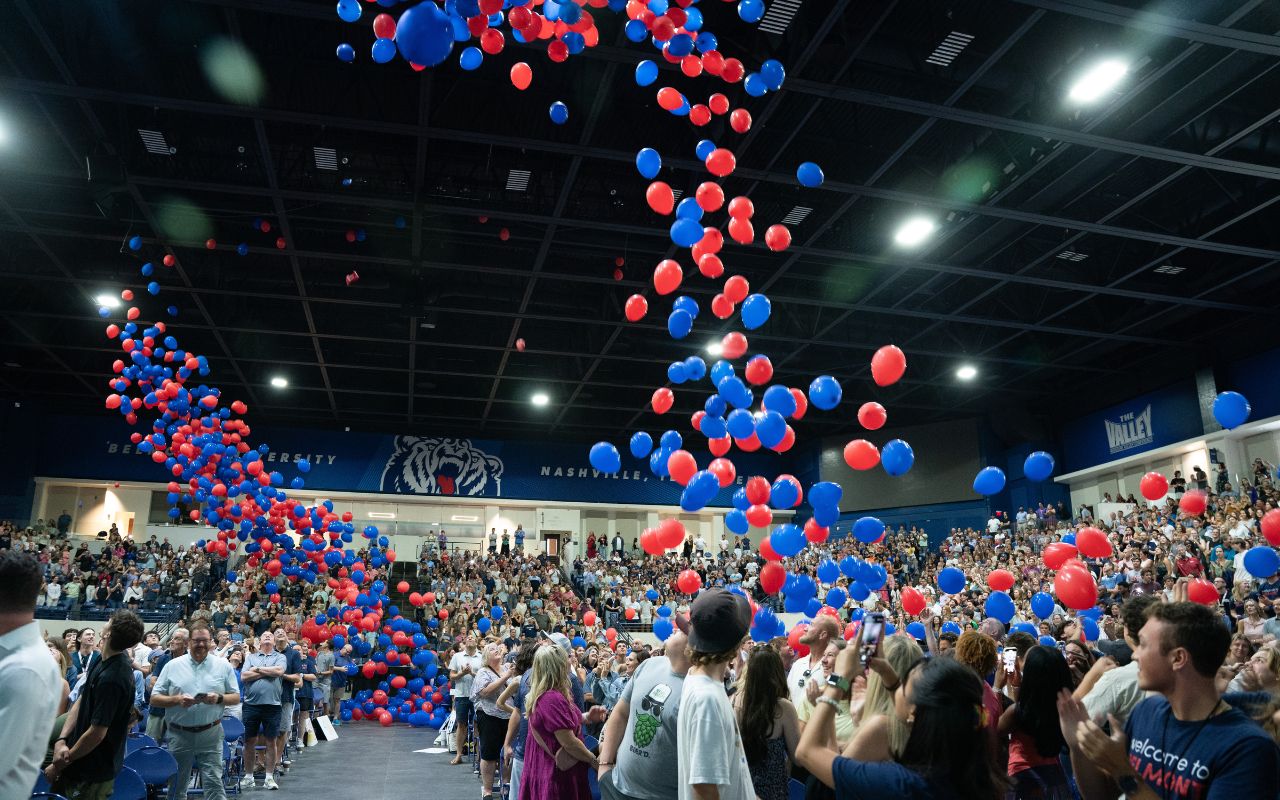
{"points": [[551, 543]]}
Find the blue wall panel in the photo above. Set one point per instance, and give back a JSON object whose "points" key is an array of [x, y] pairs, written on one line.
{"points": [[1144, 423]]}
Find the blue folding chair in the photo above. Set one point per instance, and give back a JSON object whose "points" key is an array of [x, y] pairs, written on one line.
{"points": [[129, 785], [137, 741], [232, 729], [47, 796], [154, 765], [42, 784]]}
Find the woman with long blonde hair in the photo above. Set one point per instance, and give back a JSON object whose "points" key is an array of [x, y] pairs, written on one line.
{"points": [[877, 724], [555, 758]]}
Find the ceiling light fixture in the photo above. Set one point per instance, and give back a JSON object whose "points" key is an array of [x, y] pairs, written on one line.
{"points": [[914, 231], [108, 300], [715, 349], [1098, 81], [540, 399], [464, 518], [279, 382], [967, 372], [4, 134]]}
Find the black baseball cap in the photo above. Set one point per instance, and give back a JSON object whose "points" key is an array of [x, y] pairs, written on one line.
{"points": [[718, 620]]}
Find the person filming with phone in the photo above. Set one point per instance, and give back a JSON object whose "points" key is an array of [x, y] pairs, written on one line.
{"points": [[196, 688]]}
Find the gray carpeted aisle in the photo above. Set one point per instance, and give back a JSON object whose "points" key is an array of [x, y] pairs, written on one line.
{"points": [[369, 762]]}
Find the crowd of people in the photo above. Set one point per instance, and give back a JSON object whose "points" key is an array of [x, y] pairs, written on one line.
{"points": [[545, 683]]}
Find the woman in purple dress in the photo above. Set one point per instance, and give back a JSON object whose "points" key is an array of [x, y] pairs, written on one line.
{"points": [[555, 759]]}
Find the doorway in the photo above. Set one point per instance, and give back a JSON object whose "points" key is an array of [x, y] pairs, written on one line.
{"points": [[551, 544]]}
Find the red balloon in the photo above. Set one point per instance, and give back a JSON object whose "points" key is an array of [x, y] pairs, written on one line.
{"points": [[662, 400], [636, 308], [713, 63], [384, 26], [209, 244], [772, 577], [736, 289], [671, 533], [1093, 543], [689, 582], [1001, 580], [767, 552], [1202, 591], [724, 470], [430, 598], [749, 444], [617, 274], [660, 197], [741, 208], [521, 73], [681, 465], [1154, 486], [402, 587], [1271, 526], [589, 619], [759, 370], [444, 613], [742, 231], [887, 365], [667, 276], [760, 516], [710, 265], [492, 41], [520, 345], [872, 416], [712, 242], [415, 600], [699, 115], [557, 51], [691, 65], [733, 70], [788, 440], [630, 613], [814, 532], [802, 404], [1057, 553], [649, 542], [912, 601], [793, 640], [719, 447], [718, 103], [721, 306], [734, 345], [861, 454], [740, 120], [710, 197], [1076, 589], [670, 99], [1193, 503], [721, 162], [777, 238], [757, 490]]}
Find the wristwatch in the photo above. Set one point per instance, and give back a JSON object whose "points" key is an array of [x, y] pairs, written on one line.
{"points": [[839, 682]]}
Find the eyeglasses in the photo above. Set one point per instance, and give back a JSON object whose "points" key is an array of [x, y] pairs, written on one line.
{"points": [[804, 678]]}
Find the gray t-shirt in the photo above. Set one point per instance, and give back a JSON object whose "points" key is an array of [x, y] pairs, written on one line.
{"points": [[648, 748], [324, 661], [263, 691]]}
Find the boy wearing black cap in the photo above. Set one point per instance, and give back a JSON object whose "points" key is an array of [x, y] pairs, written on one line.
{"points": [[713, 764]]}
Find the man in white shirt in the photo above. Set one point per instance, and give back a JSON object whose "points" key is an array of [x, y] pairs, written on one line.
{"points": [[462, 671], [820, 633], [28, 674], [1110, 690], [712, 764]]}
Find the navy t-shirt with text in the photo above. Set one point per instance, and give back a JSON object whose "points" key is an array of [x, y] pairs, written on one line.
{"points": [[1227, 757]]}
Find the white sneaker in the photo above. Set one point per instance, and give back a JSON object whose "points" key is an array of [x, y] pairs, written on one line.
{"points": [[247, 782], [271, 782]]}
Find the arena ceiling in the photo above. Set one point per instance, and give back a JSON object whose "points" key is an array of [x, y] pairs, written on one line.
{"points": [[1083, 251]]}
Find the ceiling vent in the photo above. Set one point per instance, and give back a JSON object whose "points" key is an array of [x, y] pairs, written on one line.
{"points": [[796, 215], [155, 143], [518, 180], [1071, 255], [778, 18], [1169, 269], [326, 158], [949, 48]]}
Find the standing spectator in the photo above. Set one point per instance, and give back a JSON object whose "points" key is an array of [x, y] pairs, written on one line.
{"points": [[519, 538], [262, 675], [155, 714], [712, 762], [817, 637], [289, 687], [1108, 690], [1035, 739], [89, 751], [32, 683], [1220, 752], [635, 758], [195, 689], [491, 720], [619, 545], [770, 729], [462, 670], [85, 656], [556, 760], [64, 523], [324, 673]]}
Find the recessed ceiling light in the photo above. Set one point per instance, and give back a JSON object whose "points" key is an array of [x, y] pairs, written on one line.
{"points": [[967, 372], [464, 518], [279, 382], [715, 349], [1099, 80], [4, 133], [540, 400], [914, 231], [381, 515], [108, 300]]}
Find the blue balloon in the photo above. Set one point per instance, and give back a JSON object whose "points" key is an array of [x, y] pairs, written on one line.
{"points": [[868, 530], [826, 516], [825, 493], [773, 74], [713, 427], [750, 10], [1231, 409], [636, 32], [916, 631], [755, 85], [755, 311], [735, 392], [570, 13], [825, 393], [1038, 466], [1069, 538], [989, 481], [897, 457], [648, 162], [810, 174], [662, 628], [951, 627], [828, 571], [688, 208], [349, 10], [694, 367], [771, 429], [658, 463], [1024, 627], [680, 45], [715, 406], [783, 494], [679, 324], [858, 592], [559, 111], [671, 440], [951, 580], [875, 578], [849, 566], [702, 487], [646, 73], [641, 444], [424, 34], [1042, 605], [1000, 606], [686, 303], [664, 611], [787, 540], [740, 423], [686, 232], [676, 372], [736, 521], [471, 58], [383, 50], [135, 243], [704, 148], [693, 19], [706, 40], [604, 457], [1261, 562], [836, 598], [779, 398], [153, 288], [740, 500], [1090, 628]]}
